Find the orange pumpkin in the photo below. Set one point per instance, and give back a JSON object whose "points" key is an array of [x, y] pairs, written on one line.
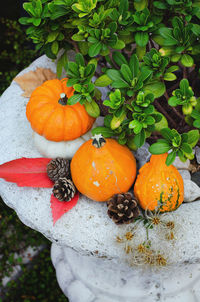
{"points": [[101, 168], [50, 116], [159, 185]]}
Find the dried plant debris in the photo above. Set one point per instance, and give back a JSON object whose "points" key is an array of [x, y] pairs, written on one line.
{"points": [[143, 249], [33, 79]]}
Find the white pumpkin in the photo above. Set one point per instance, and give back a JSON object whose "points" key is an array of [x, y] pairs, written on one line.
{"points": [[64, 149]]}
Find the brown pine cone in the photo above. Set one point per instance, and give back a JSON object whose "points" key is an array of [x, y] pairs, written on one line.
{"points": [[58, 168], [64, 189], [122, 208]]}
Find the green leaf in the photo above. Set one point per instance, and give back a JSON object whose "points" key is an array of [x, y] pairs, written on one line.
{"points": [[159, 5], [119, 44], [55, 47], [186, 148], [120, 84], [195, 114], [140, 52], [134, 65], [126, 72], [167, 134], [74, 99], [122, 141], [172, 68], [83, 46], [103, 81], [150, 120], [141, 38], [157, 88], [107, 120], [71, 82], [52, 36], [79, 59], [193, 137], [73, 67], [196, 29], [167, 34], [24, 20], [37, 21], [173, 101], [187, 60], [196, 123], [140, 4], [89, 70], [77, 37], [139, 139], [136, 126], [114, 74], [106, 132], [159, 148], [95, 49], [170, 158], [92, 108], [184, 85], [168, 76], [119, 58], [181, 155], [61, 63], [176, 57]]}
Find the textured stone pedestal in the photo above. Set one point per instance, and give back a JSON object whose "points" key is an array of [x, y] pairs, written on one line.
{"points": [[89, 231], [91, 279]]}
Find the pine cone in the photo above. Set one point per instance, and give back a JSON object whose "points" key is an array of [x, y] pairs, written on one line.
{"points": [[122, 208], [64, 189], [58, 168]]}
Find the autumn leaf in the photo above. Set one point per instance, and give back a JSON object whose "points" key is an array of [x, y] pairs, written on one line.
{"points": [[32, 79], [59, 208]]}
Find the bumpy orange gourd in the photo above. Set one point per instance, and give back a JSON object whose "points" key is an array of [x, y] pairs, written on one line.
{"points": [[51, 117], [159, 185], [102, 167]]}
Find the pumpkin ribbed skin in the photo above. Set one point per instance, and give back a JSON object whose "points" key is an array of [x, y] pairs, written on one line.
{"points": [[102, 172], [54, 121], [159, 185]]}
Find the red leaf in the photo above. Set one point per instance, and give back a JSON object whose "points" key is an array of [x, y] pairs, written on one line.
{"points": [[59, 208], [27, 172]]}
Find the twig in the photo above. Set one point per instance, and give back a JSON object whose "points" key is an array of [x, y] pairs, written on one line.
{"points": [[173, 87], [184, 72], [113, 63], [166, 95], [161, 109], [173, 108], [75, 45]]}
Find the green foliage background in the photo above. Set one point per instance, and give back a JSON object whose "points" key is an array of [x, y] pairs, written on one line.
{"points": [[143, 50]]}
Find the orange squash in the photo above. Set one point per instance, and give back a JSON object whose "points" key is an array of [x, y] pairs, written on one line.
{"points": [[50, 116], [159, 186], [102, 167]]}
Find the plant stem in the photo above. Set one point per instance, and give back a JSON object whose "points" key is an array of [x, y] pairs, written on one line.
{"points": [[184, 72], [161, 109], [75, 45], [173, 108], [114, 64], [173, 87]]}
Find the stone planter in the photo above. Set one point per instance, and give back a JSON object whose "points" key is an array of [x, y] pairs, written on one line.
{"points": [[90, 264]]}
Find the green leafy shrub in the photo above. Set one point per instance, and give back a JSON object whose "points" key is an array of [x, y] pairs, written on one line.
{"points": [[146, 52], [15, 51]]}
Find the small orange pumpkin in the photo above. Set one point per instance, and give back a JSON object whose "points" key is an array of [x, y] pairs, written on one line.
{"points": [[101, 168], [50, 116], [159, 185]]}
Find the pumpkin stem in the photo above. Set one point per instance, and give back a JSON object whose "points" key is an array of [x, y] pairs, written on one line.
{"points": [[98, 140], [63, 99]]}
